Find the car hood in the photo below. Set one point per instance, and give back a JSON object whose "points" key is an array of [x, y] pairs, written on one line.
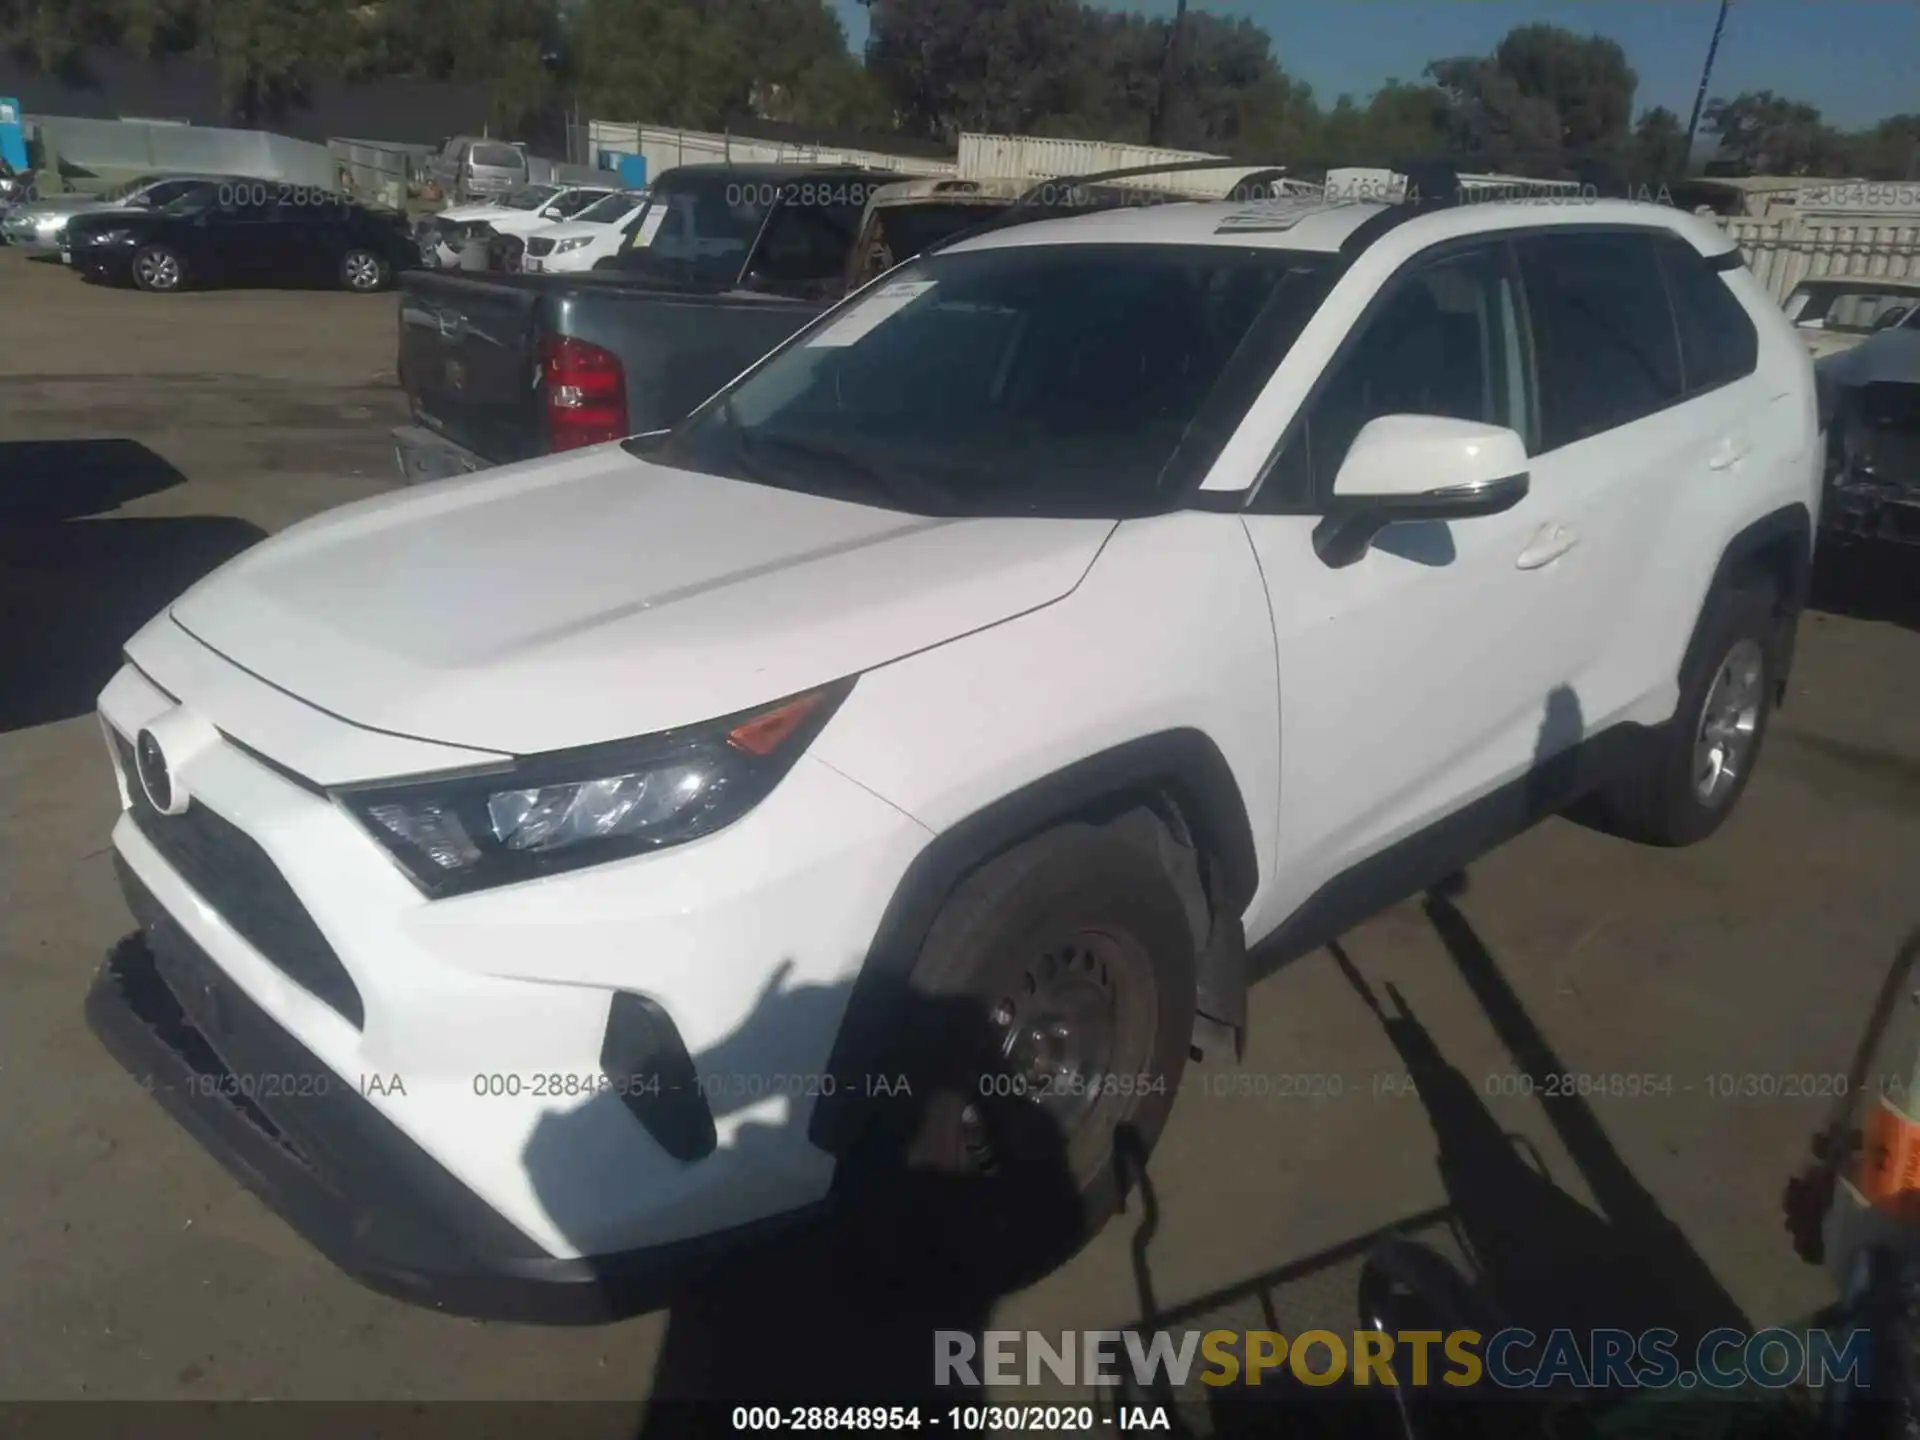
{"points": [[478, 212], [66, 205], [596, 597], [572, 230], [1889, 357]]}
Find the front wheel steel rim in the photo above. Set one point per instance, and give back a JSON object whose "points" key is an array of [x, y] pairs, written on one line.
{"points": [[1729, 722], [1056, 1028], [159, 272]]}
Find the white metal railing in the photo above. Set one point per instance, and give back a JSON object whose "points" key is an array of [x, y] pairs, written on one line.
{"points": [[1808, 246]]}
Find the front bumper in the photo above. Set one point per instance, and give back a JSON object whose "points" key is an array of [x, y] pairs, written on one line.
{"points": [[463, 1152], [322, 1158], [113, 265], [423, 456], [33, 242]]}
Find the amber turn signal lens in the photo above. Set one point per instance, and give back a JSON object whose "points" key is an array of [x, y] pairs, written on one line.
{"points": [[768, 731]]}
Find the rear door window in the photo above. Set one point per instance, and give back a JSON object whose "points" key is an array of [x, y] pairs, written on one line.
{"points": [[1607, 347], [1718, 343]]}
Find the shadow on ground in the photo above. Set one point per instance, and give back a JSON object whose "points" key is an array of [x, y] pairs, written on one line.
{"points": [[843, 1307], [1510, 1248], [1865, 580], [75, 583]]}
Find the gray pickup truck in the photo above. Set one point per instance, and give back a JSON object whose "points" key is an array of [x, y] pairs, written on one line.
{"points": [[724, 264]]}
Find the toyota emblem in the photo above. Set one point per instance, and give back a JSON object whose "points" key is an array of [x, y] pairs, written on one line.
{"points": [[150, 764]]}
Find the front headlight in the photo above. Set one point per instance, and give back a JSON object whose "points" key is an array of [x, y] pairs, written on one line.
{"points": [[549, 813], [109, 237], [579, 242]]}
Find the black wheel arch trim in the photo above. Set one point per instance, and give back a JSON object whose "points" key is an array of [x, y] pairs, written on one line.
{"points": [[1791, 523], [1184, 765]]}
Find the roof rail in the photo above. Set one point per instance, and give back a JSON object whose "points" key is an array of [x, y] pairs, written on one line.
{"points": [[1046, 198], [1166, 167]]}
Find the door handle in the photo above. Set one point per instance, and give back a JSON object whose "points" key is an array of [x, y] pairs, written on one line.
{"points": [[1549, 543], [1730, 452]]}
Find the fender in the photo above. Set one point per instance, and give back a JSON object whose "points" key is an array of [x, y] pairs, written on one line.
{"points": [[1784, 537], [1184, 765]]}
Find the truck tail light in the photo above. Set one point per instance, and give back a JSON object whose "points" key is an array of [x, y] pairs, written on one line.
{"points": [[586, 391]]}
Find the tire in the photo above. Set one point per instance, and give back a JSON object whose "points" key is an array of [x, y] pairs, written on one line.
{"points": [[1681, 791], [364, 271], [158, 269], [1081, 922]]}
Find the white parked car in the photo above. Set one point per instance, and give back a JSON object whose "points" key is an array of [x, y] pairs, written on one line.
{"points": [[520, 213], [595, 234], [551, 875], [1835, 316]]}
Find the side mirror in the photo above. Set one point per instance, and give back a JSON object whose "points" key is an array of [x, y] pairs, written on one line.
{"points": [[1419, 467]]}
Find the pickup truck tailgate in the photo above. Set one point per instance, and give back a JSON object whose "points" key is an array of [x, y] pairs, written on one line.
{"points": [[468, 362]]}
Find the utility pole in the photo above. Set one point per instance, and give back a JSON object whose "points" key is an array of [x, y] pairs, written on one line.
{"points": [[1157, 122], [1700, 95]]}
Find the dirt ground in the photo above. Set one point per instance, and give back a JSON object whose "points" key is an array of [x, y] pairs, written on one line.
{"points": [[1736, 975]]}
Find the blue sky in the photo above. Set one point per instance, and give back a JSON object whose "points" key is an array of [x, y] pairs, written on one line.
{"points": [[1858, 60]]}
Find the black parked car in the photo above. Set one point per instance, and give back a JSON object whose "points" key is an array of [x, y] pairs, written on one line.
{"points": [[243, 232]]}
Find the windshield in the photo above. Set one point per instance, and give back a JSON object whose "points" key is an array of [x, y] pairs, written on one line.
{"points": [[1846, 309], [571, 203], [611, 209], [706, 221], [130, 188], [529, 197], [194, 198], [909, 229], [1023, 380]]}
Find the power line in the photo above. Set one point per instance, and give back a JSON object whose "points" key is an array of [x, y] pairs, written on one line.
{"points": [[1706, 73]]}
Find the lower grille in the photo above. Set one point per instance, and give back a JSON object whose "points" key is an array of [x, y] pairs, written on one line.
{"points": [[539, 245], [240, 881]]}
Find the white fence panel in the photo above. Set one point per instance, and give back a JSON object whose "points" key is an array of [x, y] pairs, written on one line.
{"points": [[142, 146], [1812, 246], [1037, 157], [664, 147]]}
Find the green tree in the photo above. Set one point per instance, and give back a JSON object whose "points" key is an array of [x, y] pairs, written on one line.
{"points": [[1887, 151], [676, 62], [1769, 134], [994, 65], [1658, 151], [1545, 100]]}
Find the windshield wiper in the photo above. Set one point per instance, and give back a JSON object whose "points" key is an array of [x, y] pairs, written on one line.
{"points": [[894, 485]]}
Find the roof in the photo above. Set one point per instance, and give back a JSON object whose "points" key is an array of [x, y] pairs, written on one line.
{"points": [[1320, 226], [1292, 224], [765, 170], [945, 187]]}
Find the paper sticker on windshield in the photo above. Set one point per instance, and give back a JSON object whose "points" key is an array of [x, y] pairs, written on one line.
{"points": [[887, 301], [650, 224]]}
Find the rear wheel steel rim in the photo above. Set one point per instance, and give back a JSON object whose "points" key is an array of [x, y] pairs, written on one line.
{"points": [[158, 271], [363, 271], [1729, 722]]}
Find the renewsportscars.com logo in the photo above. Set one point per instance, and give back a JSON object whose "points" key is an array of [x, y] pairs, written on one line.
{"points": [[1511, 1359]]}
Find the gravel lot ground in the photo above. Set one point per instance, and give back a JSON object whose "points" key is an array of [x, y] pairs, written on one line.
{"points": [[135, 1268]]}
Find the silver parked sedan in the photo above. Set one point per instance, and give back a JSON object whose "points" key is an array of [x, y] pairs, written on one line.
{"points": [[38, 226]]}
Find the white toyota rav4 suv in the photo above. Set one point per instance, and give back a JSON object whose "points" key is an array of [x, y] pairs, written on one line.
{"points": [[548, 876]]}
